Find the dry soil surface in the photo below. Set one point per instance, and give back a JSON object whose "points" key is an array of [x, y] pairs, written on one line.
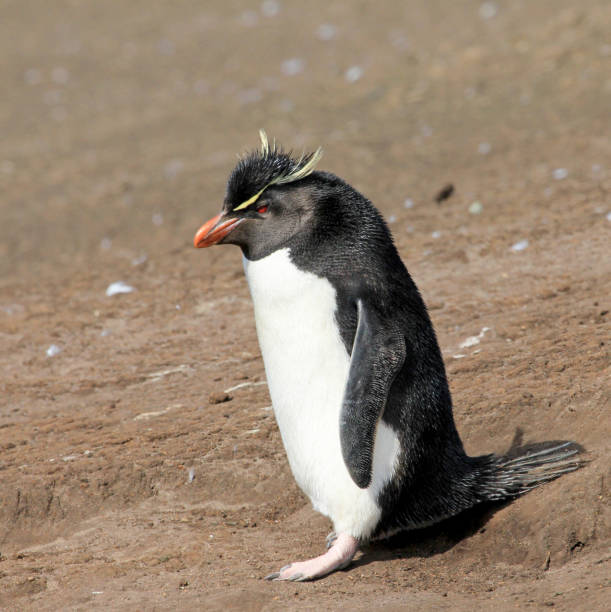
{"points": [[126, 483]]}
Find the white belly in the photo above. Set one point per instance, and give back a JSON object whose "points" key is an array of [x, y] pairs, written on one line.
{"points": [[307, 367]]}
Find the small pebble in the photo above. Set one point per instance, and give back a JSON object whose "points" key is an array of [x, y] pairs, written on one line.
{"points": [[136, 261], [326, 31], [392, 218], [476, 208], [436, 234], [444, 193], [519, 246], [293, 66], [157, 219], [483, 148], [270, 8], [53, 350], [118, 287], [219, 397], [353, 74], [409, 203], [560, 173], [470, 341], [608, 216], [488, 10], [105, 244]]}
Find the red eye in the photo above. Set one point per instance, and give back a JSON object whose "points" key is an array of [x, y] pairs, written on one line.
{"points": [[262, 209]]}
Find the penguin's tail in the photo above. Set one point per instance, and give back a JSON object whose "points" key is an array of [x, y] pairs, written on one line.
{"points": [[503, 477]]}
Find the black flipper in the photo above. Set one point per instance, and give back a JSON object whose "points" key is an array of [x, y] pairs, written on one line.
{"points": [[378, 354]]}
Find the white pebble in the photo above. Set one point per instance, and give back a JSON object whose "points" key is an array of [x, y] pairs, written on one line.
{"points": [[608, 216], [270, 8], [560, 173], [69, 458], [392, 218], [476, 208], [470, 341], [53, 350], [293, 66], [157, 219], [136, 261], [436, 234], [520, 245], [326, 31], [104, 333], [105, 244], [488, 10], [118, 287], [353, 74], [483, 148], [191, 474], [409, 203]]}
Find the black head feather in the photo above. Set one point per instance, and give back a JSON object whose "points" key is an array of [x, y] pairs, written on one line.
{"points": [[270, 165]]}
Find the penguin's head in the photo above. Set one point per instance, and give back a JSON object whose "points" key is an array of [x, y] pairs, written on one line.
{"points": [[271, 197]]}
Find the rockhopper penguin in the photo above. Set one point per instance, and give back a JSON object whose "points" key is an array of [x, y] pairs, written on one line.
{"points": [[355, 374]]}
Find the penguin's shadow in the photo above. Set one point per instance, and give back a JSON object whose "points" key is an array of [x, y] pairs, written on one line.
{"points": [[430, 541], [446, 534]]}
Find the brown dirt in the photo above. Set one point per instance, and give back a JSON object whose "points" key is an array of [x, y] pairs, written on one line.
{"points": [[120, 122]]}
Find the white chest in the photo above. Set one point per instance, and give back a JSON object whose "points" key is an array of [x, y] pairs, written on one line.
{"points": [[307, 366]]}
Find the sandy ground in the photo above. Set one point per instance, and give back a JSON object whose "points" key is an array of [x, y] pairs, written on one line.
{"points": [[124, 483]]}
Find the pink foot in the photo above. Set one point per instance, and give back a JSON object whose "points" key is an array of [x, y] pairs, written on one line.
{"points": [[338, 556]]}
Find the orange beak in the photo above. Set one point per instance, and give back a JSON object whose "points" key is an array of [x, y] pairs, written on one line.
{"points": [[214, 230]]}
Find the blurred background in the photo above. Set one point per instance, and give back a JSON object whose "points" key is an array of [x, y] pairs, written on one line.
{"points": [[121, 121]]}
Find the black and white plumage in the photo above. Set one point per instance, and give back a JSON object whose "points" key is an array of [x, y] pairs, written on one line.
{"points": [[355, 373]]}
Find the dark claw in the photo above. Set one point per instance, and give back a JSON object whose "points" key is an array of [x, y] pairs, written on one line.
{"points": [[297, 577], [273, 576], [285, 567]]}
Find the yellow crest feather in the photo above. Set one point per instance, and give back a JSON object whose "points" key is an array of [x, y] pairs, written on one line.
{"points": [[251, 200], [302, 172], [264, 142]]}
